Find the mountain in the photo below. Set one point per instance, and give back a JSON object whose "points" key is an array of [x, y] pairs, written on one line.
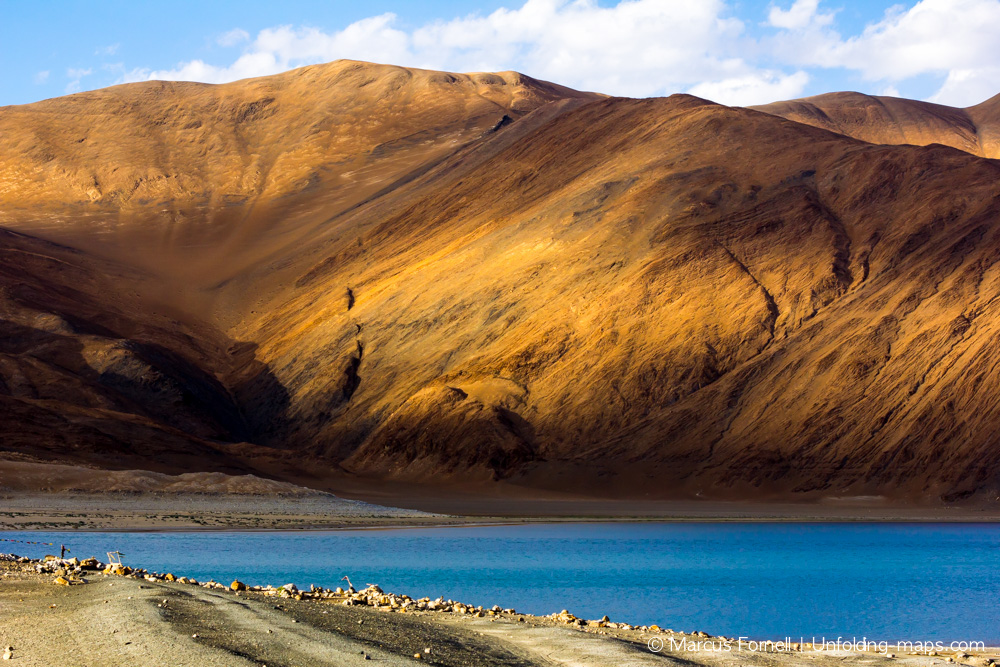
{"points": [[487, 281], [893, 120]]}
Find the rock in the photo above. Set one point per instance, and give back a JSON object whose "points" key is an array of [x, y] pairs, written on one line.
{"points": [[237, 585], [8, 653], [61, 581], [169, 577]]}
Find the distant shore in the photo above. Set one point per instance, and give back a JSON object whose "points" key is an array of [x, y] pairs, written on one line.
{"points": [[141, 512]]}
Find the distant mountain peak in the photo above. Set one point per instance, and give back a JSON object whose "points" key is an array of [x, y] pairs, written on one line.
{"points": [[895, 120]]}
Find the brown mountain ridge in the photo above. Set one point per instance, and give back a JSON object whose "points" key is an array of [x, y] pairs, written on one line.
{"points": [[365, 272], [894, 120]]}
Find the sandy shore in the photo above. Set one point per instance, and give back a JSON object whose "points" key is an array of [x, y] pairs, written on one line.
{"points": [[116, 621], [188, 511]]}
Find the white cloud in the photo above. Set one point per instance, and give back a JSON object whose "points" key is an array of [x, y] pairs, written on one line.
{"points": [[279, 49], [41, 77], [636, 48], [233, 37], [802, 14], [107, 50], [757, 88], [75, 74], [953, 39], [966, 87], [653, 47]]}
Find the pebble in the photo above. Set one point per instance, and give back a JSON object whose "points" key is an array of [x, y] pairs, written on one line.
{"points": [[8, 653]]}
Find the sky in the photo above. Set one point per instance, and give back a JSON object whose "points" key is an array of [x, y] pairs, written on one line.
{"points": [[730, 51]]}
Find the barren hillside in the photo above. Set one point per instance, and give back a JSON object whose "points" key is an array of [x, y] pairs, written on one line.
{"points": [[390, 274], [894, 120]]}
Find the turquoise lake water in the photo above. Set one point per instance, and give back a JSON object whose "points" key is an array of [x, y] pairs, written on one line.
{"points": [[880, 581]]}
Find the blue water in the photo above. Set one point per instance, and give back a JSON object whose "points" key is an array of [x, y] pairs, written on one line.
{"points": [[881, 581]]}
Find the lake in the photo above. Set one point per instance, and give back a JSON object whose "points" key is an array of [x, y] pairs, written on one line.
{"points": [[880, 581]]}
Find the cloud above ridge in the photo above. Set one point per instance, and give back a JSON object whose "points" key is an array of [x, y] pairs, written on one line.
{"points": [[642, 48]]}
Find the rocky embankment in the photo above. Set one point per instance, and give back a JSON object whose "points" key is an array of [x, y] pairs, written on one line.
{"points": [[73, 571], [131, 616]]}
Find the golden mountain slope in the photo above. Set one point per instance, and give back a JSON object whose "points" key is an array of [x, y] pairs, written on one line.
{"points": [[894, 120], [171, 176], [616, 297]]}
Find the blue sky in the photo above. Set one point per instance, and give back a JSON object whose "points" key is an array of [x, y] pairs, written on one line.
{"points": [[731, 51]]}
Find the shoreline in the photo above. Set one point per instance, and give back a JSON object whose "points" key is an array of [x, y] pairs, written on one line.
{"points": [[95, 512], [461, 522], [372, 622]]}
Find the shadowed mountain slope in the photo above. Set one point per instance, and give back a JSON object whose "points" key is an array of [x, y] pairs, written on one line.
{"points": [[88, 373], [894, 120], [662, 297]]}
